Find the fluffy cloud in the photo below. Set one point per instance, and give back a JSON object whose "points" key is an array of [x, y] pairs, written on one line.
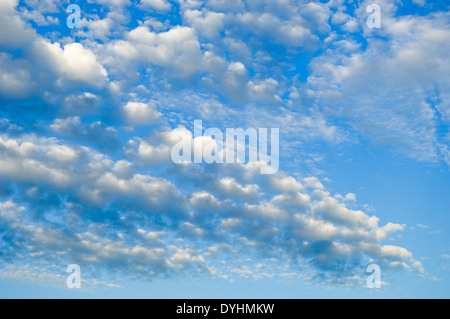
{"points": [[387, 96], [177, 48], [207, 23], [86, 173], [73, 62], [102, 182], [141, 113], [160, 5], [13, 30]]}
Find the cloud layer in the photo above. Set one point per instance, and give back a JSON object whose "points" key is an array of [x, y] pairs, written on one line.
{"points": [[87, 118]]}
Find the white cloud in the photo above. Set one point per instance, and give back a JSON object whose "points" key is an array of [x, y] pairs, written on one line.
{"points": [[73, 62], [160, 5], [177, 49], [39, 18], [226, 5], [204, 200], [293, 199], [206, 23], [384, 91], [15, 79], [230, 187], [284, 184], [419, 2], [112, 3], [115, 197], [264, 91], [290, 33], [13, 30], [138, 113]]}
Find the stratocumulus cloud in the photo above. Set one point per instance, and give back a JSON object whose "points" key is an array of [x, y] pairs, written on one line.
{"points": [[88, 116]]}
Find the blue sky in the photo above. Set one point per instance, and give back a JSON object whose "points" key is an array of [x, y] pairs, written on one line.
{"points": [[88, 115]]}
